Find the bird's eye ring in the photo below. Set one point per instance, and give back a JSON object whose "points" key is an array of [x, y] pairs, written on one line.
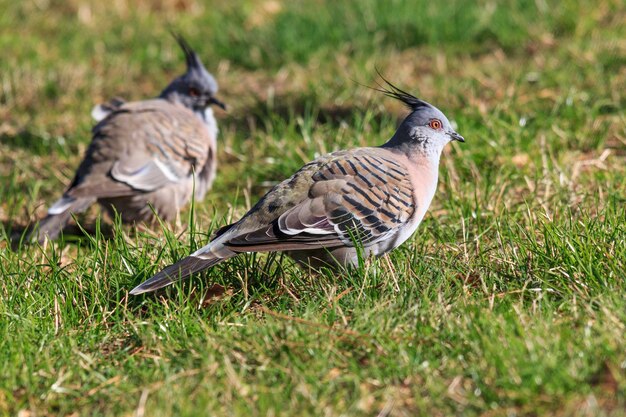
{"points": [[435, 124], [194, 92]]}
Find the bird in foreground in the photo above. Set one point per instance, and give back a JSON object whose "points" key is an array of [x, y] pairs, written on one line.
{"points": [[372, 198], [145, 155]]}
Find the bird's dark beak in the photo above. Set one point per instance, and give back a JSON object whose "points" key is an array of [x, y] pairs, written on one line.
{"points": [[456, 136], [218, 103]]}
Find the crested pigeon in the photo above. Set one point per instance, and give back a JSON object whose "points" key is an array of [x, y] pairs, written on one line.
{"points": [[145, 155], [373, 197]]}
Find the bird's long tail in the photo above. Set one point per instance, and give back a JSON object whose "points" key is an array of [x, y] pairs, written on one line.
{"points": [[204, 258], [58, 217]]}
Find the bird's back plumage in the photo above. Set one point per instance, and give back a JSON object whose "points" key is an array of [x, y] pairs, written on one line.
{"points": [[359, 195]]}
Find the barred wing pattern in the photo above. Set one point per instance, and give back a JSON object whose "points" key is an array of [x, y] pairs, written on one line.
{"points": [[358, 196], [141, 146]]}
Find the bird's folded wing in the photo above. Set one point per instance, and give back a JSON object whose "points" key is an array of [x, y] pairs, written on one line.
{"points": [[355, 199], [150, 175], [141, 146]]}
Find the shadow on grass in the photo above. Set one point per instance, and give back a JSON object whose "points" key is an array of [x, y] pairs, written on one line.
{"points": [[17, 234]]}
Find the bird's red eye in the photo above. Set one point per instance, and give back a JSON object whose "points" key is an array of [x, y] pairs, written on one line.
{"points": [[435, 124], [194, 92]]}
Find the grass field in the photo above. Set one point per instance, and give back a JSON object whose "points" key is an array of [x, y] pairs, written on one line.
{"points": [[508, 301]]}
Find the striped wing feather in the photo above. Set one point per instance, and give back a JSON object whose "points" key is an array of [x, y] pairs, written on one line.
{"points": [[141, 146], [358, 197]]}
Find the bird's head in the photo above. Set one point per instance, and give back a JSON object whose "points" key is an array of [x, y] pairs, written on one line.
{"points": [[196, 88], [426, 128]]}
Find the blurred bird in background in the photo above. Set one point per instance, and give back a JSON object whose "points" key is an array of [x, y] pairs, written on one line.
{"points": [[146, 155]]}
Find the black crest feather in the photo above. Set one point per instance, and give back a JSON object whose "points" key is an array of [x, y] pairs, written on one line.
{"points": [[190, 56], [390, 90]]}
